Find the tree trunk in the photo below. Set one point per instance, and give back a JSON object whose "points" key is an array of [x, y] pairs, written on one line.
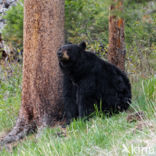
{"points": [[117, 49], [41, 87]]}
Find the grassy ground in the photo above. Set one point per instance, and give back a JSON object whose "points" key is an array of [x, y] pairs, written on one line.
{"points": [[99, 136]]}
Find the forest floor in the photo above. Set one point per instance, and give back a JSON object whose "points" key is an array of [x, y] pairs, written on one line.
{"points": [[128, 133]]}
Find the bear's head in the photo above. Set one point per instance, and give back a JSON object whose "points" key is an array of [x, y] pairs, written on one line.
{"points": [[70, 53]]}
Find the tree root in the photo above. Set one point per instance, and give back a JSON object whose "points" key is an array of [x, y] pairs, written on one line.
{"points": [[20, 130]]}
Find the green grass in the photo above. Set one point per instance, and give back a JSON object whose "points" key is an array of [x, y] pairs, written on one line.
{"points": [[101, 135], [10, 94]]}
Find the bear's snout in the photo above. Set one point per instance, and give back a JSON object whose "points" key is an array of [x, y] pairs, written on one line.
{"points": [[63, 55]]}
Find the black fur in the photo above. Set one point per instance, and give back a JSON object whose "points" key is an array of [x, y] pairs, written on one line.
{"points": [[89, 80]]}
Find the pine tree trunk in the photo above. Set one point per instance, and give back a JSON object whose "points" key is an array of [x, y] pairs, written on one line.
{"points": [[41, 87], [117, 49]]}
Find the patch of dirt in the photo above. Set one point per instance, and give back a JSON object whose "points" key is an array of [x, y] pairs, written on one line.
{"points": [[3, 134], [144, 124], [137, 116]]}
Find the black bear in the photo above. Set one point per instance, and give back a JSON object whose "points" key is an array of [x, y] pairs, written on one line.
{"points": [[89, 80]]}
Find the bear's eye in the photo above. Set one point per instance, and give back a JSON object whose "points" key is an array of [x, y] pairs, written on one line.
{"points": [[69, 50]]}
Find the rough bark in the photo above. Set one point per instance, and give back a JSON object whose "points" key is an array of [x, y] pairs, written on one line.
{"points": [[117, 49], [41, 87]]}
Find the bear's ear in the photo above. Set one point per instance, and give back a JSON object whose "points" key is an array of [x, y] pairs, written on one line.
{"points": [[82, 45], [68, 43]]}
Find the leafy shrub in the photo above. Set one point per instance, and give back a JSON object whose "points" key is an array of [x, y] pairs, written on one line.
{"points": [[13, 31], [87, 20]]}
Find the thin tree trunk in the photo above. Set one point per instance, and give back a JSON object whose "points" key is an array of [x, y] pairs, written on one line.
{"points": [[117, 49], [41, 87]]}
